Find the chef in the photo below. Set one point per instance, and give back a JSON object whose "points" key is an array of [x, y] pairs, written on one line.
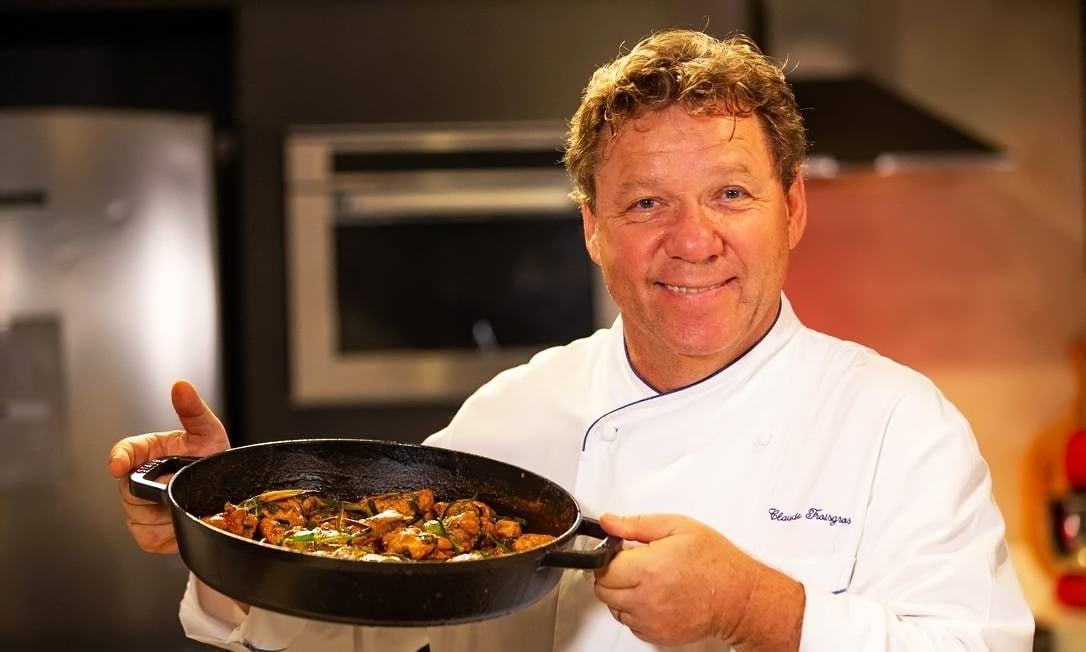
{"points": [[778, 489]]}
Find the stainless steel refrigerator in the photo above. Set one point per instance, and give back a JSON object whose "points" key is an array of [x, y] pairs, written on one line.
{"points": [[107, 294]]}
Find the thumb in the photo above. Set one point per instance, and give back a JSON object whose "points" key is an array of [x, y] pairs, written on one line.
{"points": [[202, 427], [640, 527], [203, 434]]}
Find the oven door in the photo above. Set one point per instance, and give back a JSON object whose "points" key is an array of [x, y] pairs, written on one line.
{"points": [[417, 272]]}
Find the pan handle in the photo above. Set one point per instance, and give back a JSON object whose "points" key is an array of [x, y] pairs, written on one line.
{"points": [[597, 557], [141, 482]]}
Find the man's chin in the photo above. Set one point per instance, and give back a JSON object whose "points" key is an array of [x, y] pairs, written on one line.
{"points": [[706, 349]]}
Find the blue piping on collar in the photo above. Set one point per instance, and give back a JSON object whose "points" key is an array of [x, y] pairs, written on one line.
{"points": [[658, 394]]}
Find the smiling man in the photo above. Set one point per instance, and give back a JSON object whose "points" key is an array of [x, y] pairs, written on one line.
{"points": [[692, 229], [780, 489]]}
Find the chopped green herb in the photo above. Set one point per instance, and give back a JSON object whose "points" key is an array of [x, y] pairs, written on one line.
{"points": [[415, 507]]}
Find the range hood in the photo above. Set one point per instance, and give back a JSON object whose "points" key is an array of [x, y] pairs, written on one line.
{"points": [[855, 122]]}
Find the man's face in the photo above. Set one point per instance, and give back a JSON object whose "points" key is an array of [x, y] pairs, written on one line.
{"points": [[692, 230]]}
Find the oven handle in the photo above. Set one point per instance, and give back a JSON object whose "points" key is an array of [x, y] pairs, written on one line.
{"points": [[504, 199]]}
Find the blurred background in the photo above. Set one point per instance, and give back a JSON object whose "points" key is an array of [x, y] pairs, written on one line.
{"points": [[211, 190]]}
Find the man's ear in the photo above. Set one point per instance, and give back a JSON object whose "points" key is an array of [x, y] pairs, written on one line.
{"points": [[588, 220], [795, 201]]}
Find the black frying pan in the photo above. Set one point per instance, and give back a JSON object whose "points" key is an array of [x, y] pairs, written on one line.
{"points": [[360, 592]]}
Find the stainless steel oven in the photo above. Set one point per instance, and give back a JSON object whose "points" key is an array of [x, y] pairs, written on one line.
{"points": [[423, 259]]}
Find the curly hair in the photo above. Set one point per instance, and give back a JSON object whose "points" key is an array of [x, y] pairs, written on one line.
{"points": [[705, 76]]}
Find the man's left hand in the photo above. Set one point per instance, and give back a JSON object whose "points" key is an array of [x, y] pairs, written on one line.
{"points": [[691, 583]]}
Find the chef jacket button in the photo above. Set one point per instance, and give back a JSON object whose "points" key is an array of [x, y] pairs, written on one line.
{"points": [[608, 431], [763, 438]]}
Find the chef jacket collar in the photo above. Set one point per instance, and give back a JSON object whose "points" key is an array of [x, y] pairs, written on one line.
{"points": [[735, 372]]}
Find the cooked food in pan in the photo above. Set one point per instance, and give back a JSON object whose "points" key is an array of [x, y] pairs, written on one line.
{"points": [[401, 526]]}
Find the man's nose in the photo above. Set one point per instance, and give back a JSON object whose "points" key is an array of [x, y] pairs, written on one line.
{"points": [[695, 234]]}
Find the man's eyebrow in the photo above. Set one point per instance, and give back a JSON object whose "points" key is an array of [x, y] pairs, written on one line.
{"points": [[637, 183], [737, 167]]}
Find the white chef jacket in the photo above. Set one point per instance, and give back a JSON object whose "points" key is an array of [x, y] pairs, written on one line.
{"points": [[819, 457]]}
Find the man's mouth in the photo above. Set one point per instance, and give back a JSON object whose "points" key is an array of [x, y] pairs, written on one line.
{"points": [[686, 289]]}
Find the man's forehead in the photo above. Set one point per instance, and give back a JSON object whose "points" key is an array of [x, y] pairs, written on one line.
{"points": [[632, 130]]}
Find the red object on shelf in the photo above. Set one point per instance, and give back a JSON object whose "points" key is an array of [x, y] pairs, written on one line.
{"points": [[1075, 460], [1071, 589]]}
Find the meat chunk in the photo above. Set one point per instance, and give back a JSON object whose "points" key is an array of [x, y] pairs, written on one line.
{"points": [[444, 548], [234, 520], [463, 529], [413, 504], [410, 542], [529, 541], [287, 510], [376, 527], [483, 510], [507, 528], [272, 530]]}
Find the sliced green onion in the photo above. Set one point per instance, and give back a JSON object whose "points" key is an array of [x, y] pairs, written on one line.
{"points": [[438, 528], [271, 497], [500, 543], [322, 537], [415, 506], [301, 536]]}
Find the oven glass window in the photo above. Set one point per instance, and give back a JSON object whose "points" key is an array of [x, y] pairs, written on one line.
{"points": [[523, 281]]}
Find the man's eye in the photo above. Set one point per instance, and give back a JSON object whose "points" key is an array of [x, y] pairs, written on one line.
{"points": [[734, 193], [645, 204]]}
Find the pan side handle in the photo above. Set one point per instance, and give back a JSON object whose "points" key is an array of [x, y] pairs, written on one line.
{"points": [[141, 482], [597, 557]]}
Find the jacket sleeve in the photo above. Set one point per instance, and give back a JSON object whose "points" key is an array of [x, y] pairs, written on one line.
{"points": [[269, 631], [932, 569]]}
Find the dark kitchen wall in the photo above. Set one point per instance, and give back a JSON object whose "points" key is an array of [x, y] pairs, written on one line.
{"points": [[367, 62]]}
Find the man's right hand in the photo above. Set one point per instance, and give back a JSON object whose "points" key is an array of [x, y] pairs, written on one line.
{"points": [[203, 434]]}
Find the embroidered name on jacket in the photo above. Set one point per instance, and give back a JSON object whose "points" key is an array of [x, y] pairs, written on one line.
{"points": [[812, 514]]}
